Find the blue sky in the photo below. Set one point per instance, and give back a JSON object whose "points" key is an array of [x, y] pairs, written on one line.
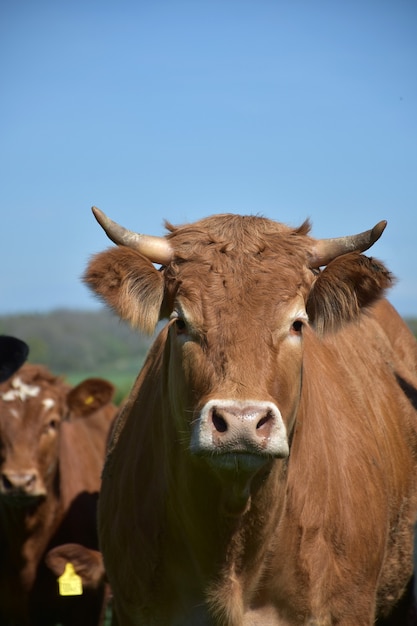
{"points": [[173, 109]]}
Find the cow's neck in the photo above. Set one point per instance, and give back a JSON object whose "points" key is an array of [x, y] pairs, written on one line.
{"points": [[217, 528]]}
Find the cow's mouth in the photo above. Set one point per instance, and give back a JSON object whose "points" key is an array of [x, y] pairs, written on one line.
{"points": [[237, 462], [21, 499], [240, 474]]}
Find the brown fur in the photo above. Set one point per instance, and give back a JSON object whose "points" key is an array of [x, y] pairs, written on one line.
{"points": [[323, 537]]}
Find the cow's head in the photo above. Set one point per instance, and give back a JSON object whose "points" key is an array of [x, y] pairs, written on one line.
{"points": [[239, 292], [33, 405]]}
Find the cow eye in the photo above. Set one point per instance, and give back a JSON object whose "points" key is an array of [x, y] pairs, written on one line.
{"points": [[297, 327], [180, 326], [51, 426]]}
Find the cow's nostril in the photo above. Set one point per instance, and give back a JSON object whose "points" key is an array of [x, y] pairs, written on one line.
{"points": [[219, 422], [263, 421], [7, 485], [31, 478]]}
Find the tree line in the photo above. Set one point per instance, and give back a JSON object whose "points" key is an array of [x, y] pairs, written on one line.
{"points": [[78, 344]]}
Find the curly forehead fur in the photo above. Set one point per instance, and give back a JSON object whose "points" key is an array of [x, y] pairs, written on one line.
{"points": [[237, 234], [241, 246]]}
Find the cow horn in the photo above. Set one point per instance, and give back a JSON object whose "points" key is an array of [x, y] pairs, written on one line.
{"points": [[156, 249], [325, 250]]}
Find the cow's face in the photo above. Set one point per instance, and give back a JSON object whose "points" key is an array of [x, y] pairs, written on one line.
{"points": [[33, 406], [30, 418], [235, 360], [239, 292]]}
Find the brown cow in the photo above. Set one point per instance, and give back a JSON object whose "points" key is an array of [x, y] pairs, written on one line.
{"points": [[263, 472], [52, 447]]}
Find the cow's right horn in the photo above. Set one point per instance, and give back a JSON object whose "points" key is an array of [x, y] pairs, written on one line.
{"points": [[156, 249]]}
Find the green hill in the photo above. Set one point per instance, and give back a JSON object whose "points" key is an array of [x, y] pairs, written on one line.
{"points": [[80, 344]]}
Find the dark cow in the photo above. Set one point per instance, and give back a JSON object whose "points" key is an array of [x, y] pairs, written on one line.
{"points": [[263, 472], [52, 447], [13, 353]]}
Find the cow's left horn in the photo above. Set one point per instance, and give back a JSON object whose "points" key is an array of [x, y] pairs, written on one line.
{"points": [[325, 250], [156, 249]]}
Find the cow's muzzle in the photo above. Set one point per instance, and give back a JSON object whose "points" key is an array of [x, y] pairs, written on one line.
{"points": [[21, 486], [227, 428]]}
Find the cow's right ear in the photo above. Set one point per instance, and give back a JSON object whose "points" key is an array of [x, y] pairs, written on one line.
{"points": [[129, 283]]}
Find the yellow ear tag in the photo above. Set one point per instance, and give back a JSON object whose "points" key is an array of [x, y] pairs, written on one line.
{"points": [[70, 584], [89, 400]]}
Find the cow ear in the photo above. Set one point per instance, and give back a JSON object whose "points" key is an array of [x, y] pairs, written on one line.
{"points": [[128, 283], [87, 563], [89, 396], [347, 285]]}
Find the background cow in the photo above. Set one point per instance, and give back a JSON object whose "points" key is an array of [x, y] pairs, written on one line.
{"points": [[263, 471], [52, 445]]}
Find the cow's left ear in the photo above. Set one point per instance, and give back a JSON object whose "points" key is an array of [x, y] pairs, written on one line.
{"points": [[89, 396], [347, 285], [87, 563]]}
